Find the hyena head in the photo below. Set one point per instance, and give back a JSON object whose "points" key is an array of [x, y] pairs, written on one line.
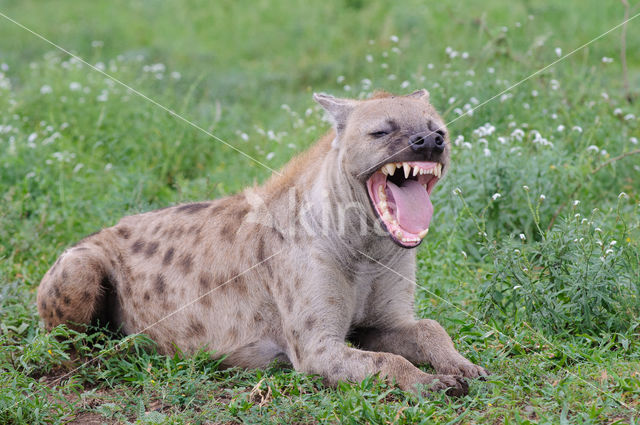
{"points": [[391, 152]]}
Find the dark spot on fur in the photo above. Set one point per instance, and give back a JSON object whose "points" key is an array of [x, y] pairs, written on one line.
{"points": [[137, 246], [123, 232], [192, 208], [309, 323], [58, 312], [65, 275], [296, 349], [157, 228], [43, 305], [195, 328], [228, 231], [86, 296], [257, 317], [168, 256], [82, 248], [261, 257], [379, 361], [56, 290], [336, 370], [186, 263], [160, 283], [66, 300], [147, 296], [205, 280], [151, 249], [321, 350], [215, 210], [289, 302]]}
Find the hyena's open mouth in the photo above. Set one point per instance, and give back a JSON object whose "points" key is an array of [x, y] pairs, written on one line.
{"points": [[400, 193]]}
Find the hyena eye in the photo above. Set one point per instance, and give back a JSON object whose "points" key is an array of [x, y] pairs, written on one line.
{"points": [[379, 134]]}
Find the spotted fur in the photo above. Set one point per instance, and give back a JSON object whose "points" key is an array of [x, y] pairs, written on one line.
{"points": [[287, 271]]}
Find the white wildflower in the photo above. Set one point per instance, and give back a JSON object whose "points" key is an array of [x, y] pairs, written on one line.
{"points": [[46, 89], [496, 196], [523, 237], [270, 156], [75, 86], [369, 58], [558, 51], [606, 59], [394, 38]]}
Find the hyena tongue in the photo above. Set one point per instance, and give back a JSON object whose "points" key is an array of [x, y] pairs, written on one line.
{"points": [[413, 205]]}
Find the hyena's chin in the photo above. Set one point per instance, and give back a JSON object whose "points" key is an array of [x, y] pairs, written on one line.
{"points": [[399, 193]]}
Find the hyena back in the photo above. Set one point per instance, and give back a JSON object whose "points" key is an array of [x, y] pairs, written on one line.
{"points": [[290, 270]]}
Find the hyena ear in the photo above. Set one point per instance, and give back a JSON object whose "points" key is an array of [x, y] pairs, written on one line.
{"points": [[420, 94], [338, 109]]}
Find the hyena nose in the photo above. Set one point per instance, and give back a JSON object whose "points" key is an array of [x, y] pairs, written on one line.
{"points": [[430, 142]]}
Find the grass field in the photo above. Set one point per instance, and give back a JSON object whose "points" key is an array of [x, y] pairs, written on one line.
{"points": [[532, 263]]}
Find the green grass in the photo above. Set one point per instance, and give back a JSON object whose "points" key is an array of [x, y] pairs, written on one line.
{"points": [[557, 325]]}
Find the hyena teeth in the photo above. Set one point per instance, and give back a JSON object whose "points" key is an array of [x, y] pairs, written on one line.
{"points": [[391, 169], [425, 186], [381, 193], [423, 233], [399, 234], [407, 169], [384, 171], [416, 170]]}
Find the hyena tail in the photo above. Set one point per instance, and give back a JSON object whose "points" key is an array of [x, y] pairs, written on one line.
{"points": [[79, 288]]}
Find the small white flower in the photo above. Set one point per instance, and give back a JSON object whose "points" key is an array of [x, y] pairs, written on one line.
{"points": [[608, 251], [97, 43], [340, 79], [496, 196], [606, 59], [108, 167], [176, 75], [577, 128], [519, 286], [457, 191], [487, 152], [517, 251], [623, 195], [270, 156], [347, 88], [465, 55], [560, 128], [405, 84], [32, 137], [430, 66], [74, 86], [558, 51], [46, 89], [464, 254], [593, 148], [612, 243], [633, 140], [30, 175], [597, 229], [542, 197], [534, 93], [491, 70], [523, 237], [629, 117], [617, 111], [369, 58], [525, 187], [78, 167], [394, 38], [575, 203]]}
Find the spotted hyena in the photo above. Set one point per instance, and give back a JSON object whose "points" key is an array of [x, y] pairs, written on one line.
{"points": [[319, 255]]}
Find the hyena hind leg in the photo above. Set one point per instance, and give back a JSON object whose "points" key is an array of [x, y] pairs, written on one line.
{"points": [[77, 290]]}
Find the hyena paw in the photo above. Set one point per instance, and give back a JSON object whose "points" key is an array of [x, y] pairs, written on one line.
{"points": [[455, 386], [463, 367]]}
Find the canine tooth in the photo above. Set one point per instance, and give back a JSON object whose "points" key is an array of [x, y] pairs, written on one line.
{"points": [[423, 233], [425, 186], [416, 170], [407, 169], [391, 168], [399, 234], [384, 171]]}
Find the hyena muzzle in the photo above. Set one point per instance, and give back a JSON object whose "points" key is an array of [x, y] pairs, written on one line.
{"points": [[314, 268]]}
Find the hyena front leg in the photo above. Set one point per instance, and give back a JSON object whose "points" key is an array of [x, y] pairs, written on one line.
{"points": [[333, 360], [420, 342]]}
